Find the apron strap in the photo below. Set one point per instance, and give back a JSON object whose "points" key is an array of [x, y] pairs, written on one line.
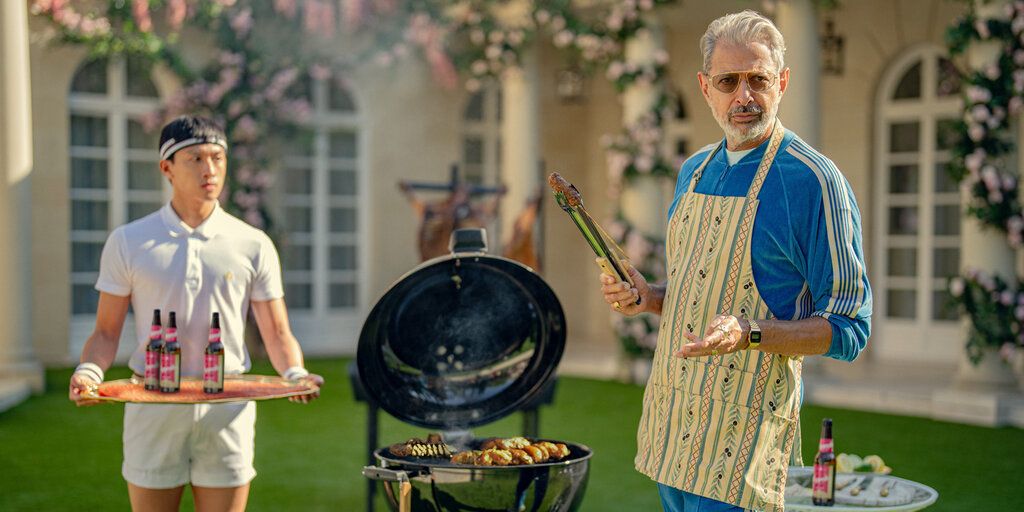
{"points": [[700, 170]]}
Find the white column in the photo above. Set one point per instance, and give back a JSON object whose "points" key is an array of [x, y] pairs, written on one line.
{"points": [[17, 362], [643, 200], [520, 140], [801, 103]]}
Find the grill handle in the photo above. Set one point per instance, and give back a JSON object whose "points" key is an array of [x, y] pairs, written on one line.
{"points": [[395, 475]]}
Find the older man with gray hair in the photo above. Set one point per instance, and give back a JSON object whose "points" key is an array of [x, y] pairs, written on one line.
{"points": [[765, 266]]}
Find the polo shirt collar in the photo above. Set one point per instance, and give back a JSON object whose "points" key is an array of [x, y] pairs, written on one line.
{"points": [[211, 227]]}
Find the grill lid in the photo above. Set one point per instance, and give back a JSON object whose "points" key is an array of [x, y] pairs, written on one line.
{"points": [[461, 341]]}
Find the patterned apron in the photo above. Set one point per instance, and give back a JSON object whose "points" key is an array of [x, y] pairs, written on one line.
{"points": [[722, 426]]}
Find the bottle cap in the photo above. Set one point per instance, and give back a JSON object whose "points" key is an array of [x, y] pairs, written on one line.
{"points": [[156, 317], [171, 321], [216, 321]]}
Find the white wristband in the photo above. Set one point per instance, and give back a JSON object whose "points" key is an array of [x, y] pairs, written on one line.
{"points": [[91, 370], [295, 373]]}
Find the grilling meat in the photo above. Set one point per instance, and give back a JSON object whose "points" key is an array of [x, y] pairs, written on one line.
{"points": [[433, 448], [514, 451]]}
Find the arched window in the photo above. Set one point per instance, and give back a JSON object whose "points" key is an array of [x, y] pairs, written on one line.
{"points": [[481, 137], [322, 214], [917, 208], [114, 175]]}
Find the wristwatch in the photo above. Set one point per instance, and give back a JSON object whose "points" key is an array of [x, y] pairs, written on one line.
{"points": [[754, 335]]}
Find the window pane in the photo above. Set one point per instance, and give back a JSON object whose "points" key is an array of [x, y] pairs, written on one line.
{"points": [[89, 215], [343, 220], [949, 78], [946, 263], [88, 173], [475, 107], [137, 79], [85, 256], [910, 84], [343, 257], [343, 183], [943, 182], [84, 299], [946, 134], [473, 150], [91, 78], [343, 296], [473, 174], [903, 179], [144, 176], [902, 262], [942, 306], [300, 145], [298, 295], [139, 138], [298, 181], [682, 148], [138, 210], [904, 137], [340, 100], [903, 220], [88, 131], [947, 220], [343, 145], [680, 107], [297, 257], [298, 219], [901, 303]]}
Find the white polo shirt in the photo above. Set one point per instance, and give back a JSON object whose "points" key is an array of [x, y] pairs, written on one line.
{"points": [[219, 266]]}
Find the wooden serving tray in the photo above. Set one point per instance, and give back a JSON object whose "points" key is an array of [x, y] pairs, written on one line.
{"points": [[237, 388]]}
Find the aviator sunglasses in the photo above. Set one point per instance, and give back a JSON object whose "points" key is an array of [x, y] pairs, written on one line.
{"points": [[757, 81]]}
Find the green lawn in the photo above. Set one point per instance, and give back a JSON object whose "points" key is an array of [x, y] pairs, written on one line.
{"points": [[54, 456]]}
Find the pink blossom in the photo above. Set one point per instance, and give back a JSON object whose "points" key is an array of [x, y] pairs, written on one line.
{"points": [[563, 38], [992, 71], [981, 26], [1006, 298], [616, 230], [320, 72], [1009, 182], [473, 85], [246, 129], [557, 23], [617, 163], [286, 7], [477, 36], [637, 248], [242, 22], [176, 12], [614, 22], [400, 50], [235, 108], [496, 37], [254, 218], [140, 12], [542, 16], [980, 113], [516, 37], [1018, 312], [974, 160], [614, 71], [442, 67], [1007, 351], [637, 329], [976, 132], [1015, 104], [478, 67], [492, 51], [644, 163], [353, 13]]}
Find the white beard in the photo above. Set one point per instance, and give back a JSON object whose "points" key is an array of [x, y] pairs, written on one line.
{"points": [[738, 136]]}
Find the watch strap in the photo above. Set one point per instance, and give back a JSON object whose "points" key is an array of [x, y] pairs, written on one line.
{"points": [[753, 335]]}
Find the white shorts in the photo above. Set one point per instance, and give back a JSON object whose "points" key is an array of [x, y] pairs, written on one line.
{"points": [[169, 445]]}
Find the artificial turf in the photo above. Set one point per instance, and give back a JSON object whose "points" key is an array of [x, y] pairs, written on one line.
{"points": [[54, 456]]}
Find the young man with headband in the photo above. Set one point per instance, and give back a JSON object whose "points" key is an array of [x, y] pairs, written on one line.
{"points": [[193, 258]]}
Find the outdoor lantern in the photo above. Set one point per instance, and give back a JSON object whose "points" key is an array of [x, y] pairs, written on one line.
{"points": [[569, 85], [831, 50]]}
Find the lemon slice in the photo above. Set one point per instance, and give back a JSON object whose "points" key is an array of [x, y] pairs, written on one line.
{"points": [[846, 462]]}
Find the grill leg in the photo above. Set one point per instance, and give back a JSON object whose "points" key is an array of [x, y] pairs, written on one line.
{"points": [[531, 422], [371, 445]]}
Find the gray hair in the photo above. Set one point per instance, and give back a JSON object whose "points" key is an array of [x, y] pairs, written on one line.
{"points": [[741, 28]]}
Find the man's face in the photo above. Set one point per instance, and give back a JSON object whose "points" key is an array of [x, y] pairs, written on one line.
{"points": [[745, 114], [197, 172]]}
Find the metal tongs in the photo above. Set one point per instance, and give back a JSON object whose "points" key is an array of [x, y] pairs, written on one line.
{"points": [[610, 256]]}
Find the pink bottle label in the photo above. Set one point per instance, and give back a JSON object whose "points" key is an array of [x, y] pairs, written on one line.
{"points": [[822, 484], [154, 332], [214, 335], [152, 366], [168, 369], [172, 335]]}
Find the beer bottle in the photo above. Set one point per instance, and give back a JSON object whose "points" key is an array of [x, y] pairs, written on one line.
{"points": [[823, 487], [170, 358], [151, 376], [213, 360]]}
